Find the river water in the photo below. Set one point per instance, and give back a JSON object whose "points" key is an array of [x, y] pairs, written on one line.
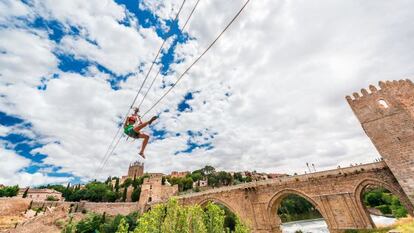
{"points": [[319, 225]]}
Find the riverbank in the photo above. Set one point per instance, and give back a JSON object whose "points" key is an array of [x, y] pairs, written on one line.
{"points": [[384, 224], [403, 225]]}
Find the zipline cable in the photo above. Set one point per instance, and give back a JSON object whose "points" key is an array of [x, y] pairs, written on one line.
{"points": [[159, 70], [182, 75], [106, 156], [196, 60]]}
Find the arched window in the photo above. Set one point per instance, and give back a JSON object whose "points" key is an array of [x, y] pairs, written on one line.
{"points": [[383, 103]]}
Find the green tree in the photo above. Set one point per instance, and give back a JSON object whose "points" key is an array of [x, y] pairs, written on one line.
{"points": [[213, 180], [225, 178], [208, 170], [240, 227], [196, 219], [25, 193], [127, 182], [175, 219], [124, 194], [151, 222], [196, 176], [116, 184], [214, 218], [135, 194], [123, 226]]}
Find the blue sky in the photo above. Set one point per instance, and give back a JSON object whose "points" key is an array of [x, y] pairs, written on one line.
{"points": [[24, 145], [269, 96]]}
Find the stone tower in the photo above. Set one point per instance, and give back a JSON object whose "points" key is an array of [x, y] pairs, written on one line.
{"points": [[136, 169], [387, 117]]}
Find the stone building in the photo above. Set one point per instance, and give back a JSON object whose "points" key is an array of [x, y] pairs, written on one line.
{"points": [[40, 194], [135, 169], [154, 190], [200, 183], [179, 174]]}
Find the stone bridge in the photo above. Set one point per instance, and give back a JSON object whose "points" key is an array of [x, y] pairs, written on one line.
{"points": [[335, 193], [387, 117]]}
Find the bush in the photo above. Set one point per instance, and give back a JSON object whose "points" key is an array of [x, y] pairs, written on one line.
{"points": [[385, 209], [9, 191], [164, 218], [51, 198], [399, 212]]}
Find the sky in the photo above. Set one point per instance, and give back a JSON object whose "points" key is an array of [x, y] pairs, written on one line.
{"points": [[269, 96]]}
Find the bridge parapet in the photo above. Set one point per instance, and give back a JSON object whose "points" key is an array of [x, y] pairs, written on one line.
{"points": [[295, 178]]}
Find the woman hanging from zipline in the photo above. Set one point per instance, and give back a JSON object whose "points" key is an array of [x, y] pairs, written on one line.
{"points": [[132, 126]]}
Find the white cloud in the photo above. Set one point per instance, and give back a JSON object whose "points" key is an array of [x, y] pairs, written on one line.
{"points": [[10, 9], [4, 130], [10, 173], [286, 65], [26, 57], [120, 48]]}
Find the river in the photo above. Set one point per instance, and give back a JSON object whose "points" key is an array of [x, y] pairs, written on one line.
{"points": [[319, 225]]}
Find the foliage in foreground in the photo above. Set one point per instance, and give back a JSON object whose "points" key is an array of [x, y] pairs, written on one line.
{"points": [[164, 218], [97, 223], [173, 218]]}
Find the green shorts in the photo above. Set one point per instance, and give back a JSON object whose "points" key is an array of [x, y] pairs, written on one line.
{"points": [[129, 130]]}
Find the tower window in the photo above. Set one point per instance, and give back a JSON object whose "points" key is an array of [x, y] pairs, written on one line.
{"points": [[383, 103]]}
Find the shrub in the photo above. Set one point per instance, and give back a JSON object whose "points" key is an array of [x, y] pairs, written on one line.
{"points": [[385, 209], [51, 198]]}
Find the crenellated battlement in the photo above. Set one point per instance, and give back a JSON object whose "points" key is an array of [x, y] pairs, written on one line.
{"points": [[387, 117], [387, 99], [383, 87], [135, 164]]}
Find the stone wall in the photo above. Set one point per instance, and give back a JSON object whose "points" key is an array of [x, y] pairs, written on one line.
{"points": [[123, 208], [13, 206], [387, 117], [114, 208], [153, 191]]}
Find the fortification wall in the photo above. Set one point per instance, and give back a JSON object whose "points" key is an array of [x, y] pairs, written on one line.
{"points": [[387, 117], [122, 208], [13, 206]]}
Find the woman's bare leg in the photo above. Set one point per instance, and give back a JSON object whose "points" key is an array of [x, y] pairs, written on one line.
{"points": [[144, 143], [143, 125], [140, 126]]}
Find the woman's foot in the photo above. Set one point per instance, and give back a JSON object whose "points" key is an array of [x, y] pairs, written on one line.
{"points": [[142, 154], [152, 119]]}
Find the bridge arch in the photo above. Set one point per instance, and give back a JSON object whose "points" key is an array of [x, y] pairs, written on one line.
{"points": [[204, 202], [276, 201], [393, 188]]}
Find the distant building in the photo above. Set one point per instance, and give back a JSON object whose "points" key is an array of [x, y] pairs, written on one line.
{"points": [[2, 186], [200, 183], [179, 174], [153, 191], [261, 176], [135, 169], [155, 174], [41, 194], [276, 175]]}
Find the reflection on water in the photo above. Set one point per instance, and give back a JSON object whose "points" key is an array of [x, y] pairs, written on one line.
{"points": [[320, 226]]}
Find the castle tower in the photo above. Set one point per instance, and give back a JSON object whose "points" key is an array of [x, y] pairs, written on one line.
{"points": [[387, 117], [136, 169]]}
